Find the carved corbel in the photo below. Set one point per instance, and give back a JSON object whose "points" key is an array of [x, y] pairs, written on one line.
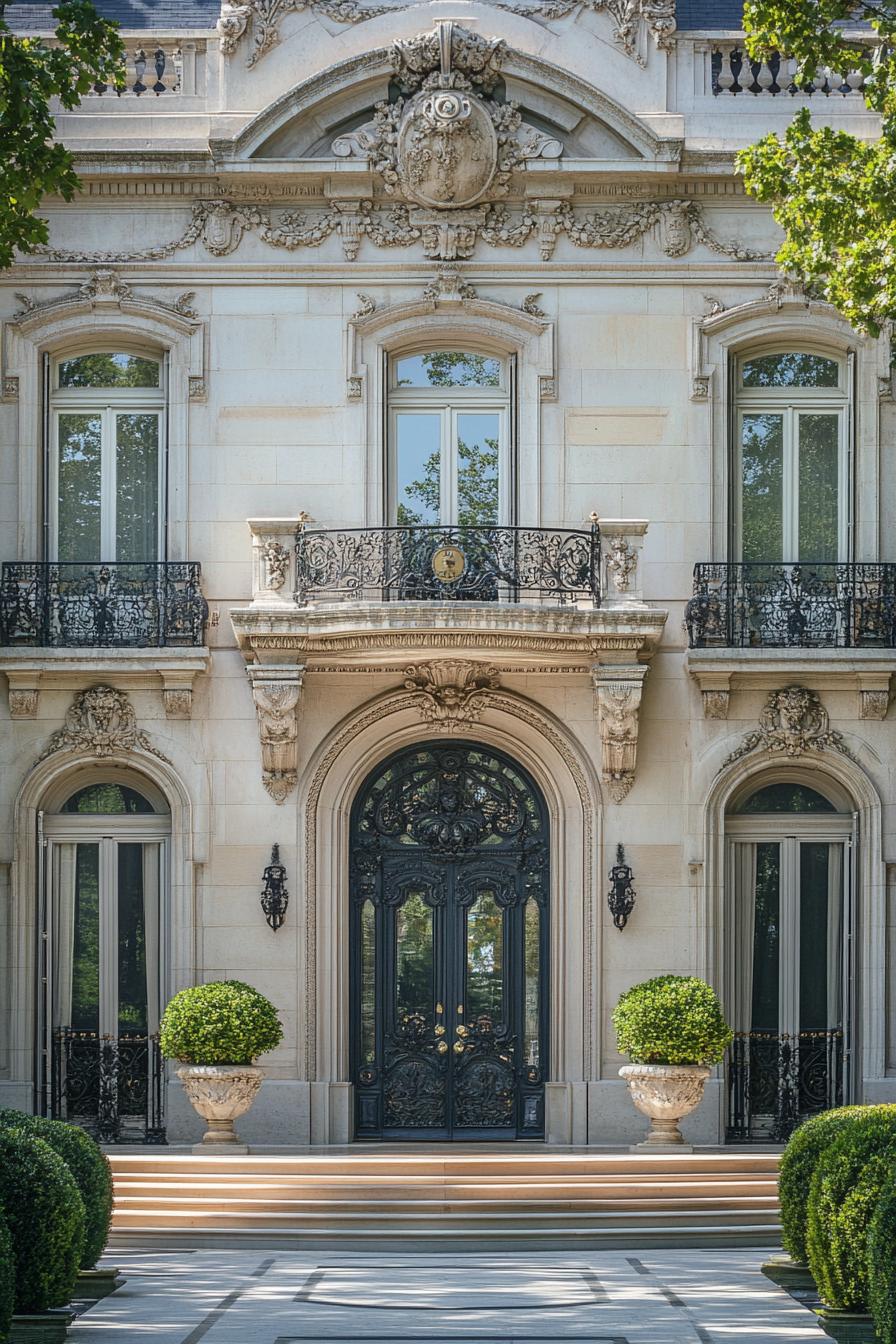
{"points": [[24, 694], [715, 690], [177, 694], [618, 691], [276, 690], [874, 696]]}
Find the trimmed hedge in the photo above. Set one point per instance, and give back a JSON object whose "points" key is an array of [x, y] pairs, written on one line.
{"points": [[672, 1019], [7, 1278], [45, 1214], [89, 1166], [882, 1264], [846, 1186], [798, 1163], [224, 1022]]}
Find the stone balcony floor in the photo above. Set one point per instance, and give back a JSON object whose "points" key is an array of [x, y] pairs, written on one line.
{"points": [[641, 1297]]}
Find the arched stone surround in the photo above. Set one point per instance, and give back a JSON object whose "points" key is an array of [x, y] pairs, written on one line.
{"points": [[562, 771]]}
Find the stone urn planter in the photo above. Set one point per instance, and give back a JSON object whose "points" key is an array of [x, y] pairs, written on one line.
{"points": [[221, 1093], [216, 1032], [666, 1093]]}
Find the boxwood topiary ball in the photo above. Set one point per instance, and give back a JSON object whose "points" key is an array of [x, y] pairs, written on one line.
{"points": [[672, 1019], [89, 1166], [798, 1162], [224, 1022], [45, 1216]]}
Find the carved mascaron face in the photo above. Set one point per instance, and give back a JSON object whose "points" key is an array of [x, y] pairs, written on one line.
{"points": [[447, 149]]}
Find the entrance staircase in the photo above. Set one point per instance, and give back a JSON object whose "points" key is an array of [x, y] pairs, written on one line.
{"points": [[426, 1200]]}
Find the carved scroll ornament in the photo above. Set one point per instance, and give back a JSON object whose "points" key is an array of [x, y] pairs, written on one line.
{"points": [[276, 692], [795, 722], [100, 722], [618, 691]]}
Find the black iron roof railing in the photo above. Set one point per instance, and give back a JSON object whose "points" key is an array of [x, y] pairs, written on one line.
{"points": [[461, 563], [779, 606], [126, 605]]}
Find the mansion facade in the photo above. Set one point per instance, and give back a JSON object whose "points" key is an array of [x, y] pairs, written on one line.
{"points": [[421, 496]]}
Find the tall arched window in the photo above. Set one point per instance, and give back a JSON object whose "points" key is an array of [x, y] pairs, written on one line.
{"points": [[449, 460], [106, 457], [104, 972], [791, 457], [790, 848]]}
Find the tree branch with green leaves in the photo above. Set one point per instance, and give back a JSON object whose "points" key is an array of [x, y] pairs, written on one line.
{"points": [[833, 194], [33, 75]]}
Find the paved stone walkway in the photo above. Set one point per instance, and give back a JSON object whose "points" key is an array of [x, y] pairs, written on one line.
{"points": [[607, 1297]]}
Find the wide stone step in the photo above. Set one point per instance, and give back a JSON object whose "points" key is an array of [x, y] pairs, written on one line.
{"points": [[410, 1166], [549, 1206], [420, 1188], [435, 1217]]}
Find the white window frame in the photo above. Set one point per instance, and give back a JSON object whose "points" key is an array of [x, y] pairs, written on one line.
{"points": [[790, 830], [449, 403], [108, 403], [791, 403]]}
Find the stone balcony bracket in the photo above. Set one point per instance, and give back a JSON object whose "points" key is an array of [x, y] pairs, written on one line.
{"points": [[29, 671], [718, 672], [276, 691], [618, 703]]}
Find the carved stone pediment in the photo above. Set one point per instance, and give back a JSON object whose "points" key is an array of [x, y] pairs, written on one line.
{"points": [[446, 143]]}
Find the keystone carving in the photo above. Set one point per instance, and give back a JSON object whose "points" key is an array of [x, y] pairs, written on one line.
{"points": [[276, 691], [451, 695], [793, 721], [618, 691], [101, 722]]}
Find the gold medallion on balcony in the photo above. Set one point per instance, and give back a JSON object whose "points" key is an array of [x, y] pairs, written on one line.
{"points": [[448, 563]]}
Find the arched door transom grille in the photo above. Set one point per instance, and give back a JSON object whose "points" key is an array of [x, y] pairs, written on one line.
{"points": [[449, 924]]}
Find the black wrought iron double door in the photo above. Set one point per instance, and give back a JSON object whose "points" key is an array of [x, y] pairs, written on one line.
{"points": [[449, 949]]}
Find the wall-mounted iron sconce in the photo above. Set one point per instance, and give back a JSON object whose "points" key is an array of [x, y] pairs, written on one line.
{"points": [[274, 896], [621, 898]]}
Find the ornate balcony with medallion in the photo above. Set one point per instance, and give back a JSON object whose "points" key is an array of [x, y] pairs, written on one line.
{"points": [[758, 624], [136, 622], [429, 605]]}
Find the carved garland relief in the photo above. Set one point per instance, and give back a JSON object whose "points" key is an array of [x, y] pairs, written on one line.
{"points": [[101, 722]]}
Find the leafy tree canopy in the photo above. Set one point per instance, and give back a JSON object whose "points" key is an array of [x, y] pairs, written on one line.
{"points": [[833, 194], [89, 51]]}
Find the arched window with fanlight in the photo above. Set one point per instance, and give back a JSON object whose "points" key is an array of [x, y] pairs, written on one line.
{"points": [[791, 468], [449, 439], [791, 850], [105, 882], [105, 457]]}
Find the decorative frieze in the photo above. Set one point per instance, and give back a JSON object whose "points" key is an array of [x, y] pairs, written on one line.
{"points": [[100, 722], [618, 690], [451, 695], [794, 722], [220, 226], [276, 689], [258, 21]]}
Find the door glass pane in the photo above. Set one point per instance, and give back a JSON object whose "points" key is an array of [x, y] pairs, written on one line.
{"points": [[413, 958], [477, 468], [821, 938], [137, 486], [448, 368], [766, 937], [762, 457], [530, 1009], [485, 960], [82, 942], [818, 468], [417, 468], [80, 441], [368, 983], [134, 903]]}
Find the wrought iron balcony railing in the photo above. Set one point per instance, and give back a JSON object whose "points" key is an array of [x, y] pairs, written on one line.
{"points": [[849, 606], [140, 606], [112, 1086], [775, 1081], [448, 564]]}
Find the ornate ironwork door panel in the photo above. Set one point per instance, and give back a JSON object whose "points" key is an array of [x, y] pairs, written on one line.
{"points": [[449, 947]]}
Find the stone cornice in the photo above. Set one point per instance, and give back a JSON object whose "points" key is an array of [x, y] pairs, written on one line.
{"points": [[386, 634]]}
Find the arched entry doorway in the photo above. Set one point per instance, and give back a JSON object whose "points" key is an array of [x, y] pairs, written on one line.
{"points": [[449, 946], [791, 849]]}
